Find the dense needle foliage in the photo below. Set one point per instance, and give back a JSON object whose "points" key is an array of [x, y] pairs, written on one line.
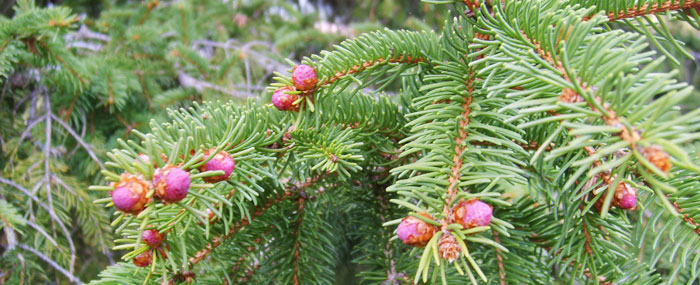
{"points": [[531, 141]]}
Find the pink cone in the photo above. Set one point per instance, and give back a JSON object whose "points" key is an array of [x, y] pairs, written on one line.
{"points": [[129, 194], [473, 213], [284, 101], [153, 238], [304, 77], [172, 184], [414, 232], [221, 161]]}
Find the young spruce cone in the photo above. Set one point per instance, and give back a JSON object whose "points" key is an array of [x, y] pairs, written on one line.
{"points": [[415, 232]]}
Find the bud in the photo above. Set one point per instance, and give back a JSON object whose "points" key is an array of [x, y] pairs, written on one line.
{"points": [[625, 196], [153, 238], [472, 213], [172, 183], [283, 101], [304, 77], [415, 232], [448, 247], [658, 157], [144, 259], [221, 161], [129, 194]]}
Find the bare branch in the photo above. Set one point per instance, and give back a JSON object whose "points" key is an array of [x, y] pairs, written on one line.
{"points": [[29, 127], [42, 232], [53, 264], [47, 175], [52, 214], [189, 81], [85, 145], [85, 33]]}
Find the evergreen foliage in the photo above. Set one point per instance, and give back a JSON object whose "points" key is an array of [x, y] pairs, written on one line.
{"points": [[547, 110], [73, 84]]}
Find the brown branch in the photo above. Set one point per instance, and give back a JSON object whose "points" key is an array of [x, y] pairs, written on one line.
{"points": [[145, 90], [388, 250], [297, 243], [532, 145], [457, 158], [369, 64], [571, 96], [216, 241], [5, 43], [687, 218], [149, 8], [183, 20], [499, 259], [61, 61], [251, 270], [471, 4], [671, 5], [587, 245]]}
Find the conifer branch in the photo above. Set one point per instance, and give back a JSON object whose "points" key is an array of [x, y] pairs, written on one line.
{"points": [[532, 145], [80, 141], [53, 264], [388, 249], [251, 269], [572, 96], [216, 241], [292, 188], [149, 8], [499, 259], [457, 157], [654, 8], [369, 64], [62, 61], [297, 243], [688, 219]]}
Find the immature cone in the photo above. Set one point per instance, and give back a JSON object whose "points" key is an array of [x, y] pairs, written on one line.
{"points": [[221, 161], [472, 213], [284, 101], [144, 259], [129, 194], [415, 232], [658, 157], [304, 77], [625, 197], [172, 183], [153, 238], [448, 247]]}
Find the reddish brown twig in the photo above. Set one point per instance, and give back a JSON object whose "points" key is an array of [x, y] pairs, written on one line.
{"points": [[499, 259], [457, 157], [149, 8], [532, 145], [368, 64], [216, 241], [297, 244], [636, 11], [291, 189], [688, 219], [62, 62]]}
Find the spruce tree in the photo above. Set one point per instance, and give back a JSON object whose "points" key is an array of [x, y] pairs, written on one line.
{"points": [[530, 141], [74, 81]]}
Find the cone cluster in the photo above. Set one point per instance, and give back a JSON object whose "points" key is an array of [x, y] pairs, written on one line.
{"points": [[170, 183], [416, 232], [304, 79]]}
